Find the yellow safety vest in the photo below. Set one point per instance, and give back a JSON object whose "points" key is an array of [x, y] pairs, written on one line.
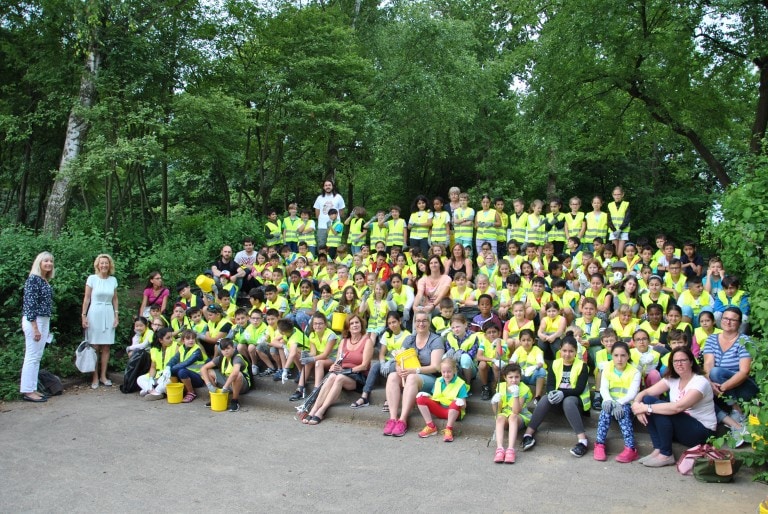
{"points": [[505, 406], [274, 232], [594, 327], [463, 231], [227, 365], [596, 226], [335, 231], [517, 226], [501, 232], [161, 357], [486, 233], [185, 352], [655, 335], [534, 234], [531, 358], [556, 234], [663, 300], [696, 304], [308, 236], [355, 236], [378, 233], [619, 385], [289, 225], [730, 302], [574, 223], [321, 342], [395, 342], [377, 314], [395, 232], [618, 213], [445, 395], [438, 233], [557, 369], [419, 217]]}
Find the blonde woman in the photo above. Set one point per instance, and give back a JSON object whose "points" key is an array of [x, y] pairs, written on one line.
{"points": [[99, 314], [35, 323]]}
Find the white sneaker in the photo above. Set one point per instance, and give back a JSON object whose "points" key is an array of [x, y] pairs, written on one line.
{"points": [[738, 435], [143, 393], [254, 369], [738, 417], [284, 376]]}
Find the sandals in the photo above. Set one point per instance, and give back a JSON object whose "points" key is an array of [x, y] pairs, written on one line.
{"points": [[189, 397], [360, 403], [106, 383], [314, 420], [385, 408], [39, 399]]}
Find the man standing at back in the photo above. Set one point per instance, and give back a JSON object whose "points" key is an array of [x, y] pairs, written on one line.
{"points": [[327, 200]]}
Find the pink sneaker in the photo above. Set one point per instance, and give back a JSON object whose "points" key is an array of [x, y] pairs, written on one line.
{"points": [[400, 429], [389, 426], [509, 456], [498, 458], [600, 452], [627, 455]]}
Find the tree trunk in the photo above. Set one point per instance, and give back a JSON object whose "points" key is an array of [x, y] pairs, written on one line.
{"points": [[21, 211], [761, 117], [551, 177], [77, 129]]}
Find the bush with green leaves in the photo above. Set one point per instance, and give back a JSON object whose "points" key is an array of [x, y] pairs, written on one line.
{"points": [[741, 234], [182, 251]]}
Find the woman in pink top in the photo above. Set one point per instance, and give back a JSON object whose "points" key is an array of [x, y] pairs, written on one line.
{"points": [[355, 352], [432, 287], [155, 293]]}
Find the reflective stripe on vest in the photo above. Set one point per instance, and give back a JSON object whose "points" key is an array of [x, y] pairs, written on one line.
{"points": [[395, 232], [596, 227], [574, 223], [619, 385], [419, 232], [486, 233], [618, 214], [450, 393], [291, 235], [556, 234], [517, 226], [355, 236], [557, 368], [463, 231], [274, 233], [184, 354], [501, 232], [438, 233]]}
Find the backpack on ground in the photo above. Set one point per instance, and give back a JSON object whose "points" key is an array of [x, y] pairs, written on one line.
{"points": [[49, 384], [138, 364]]}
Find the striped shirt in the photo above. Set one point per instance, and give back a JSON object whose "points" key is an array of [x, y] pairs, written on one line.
{"points": [[728, 359]]}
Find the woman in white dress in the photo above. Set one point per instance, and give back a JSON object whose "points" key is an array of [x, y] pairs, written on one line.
{"points": [[100, 314]]}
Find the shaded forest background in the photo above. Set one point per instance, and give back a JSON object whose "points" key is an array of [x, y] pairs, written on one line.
{"points": [[160, 130]]}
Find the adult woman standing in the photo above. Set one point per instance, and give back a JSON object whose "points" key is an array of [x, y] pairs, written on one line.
{"points": [[405, 384], [688, 418], [568, 393], [99, 315], [35, 323], [155, 293], [432, 287], [727, 364], [356, 350]]}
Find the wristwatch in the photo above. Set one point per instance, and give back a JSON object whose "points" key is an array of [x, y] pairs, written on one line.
{"points": [[650, 409]]}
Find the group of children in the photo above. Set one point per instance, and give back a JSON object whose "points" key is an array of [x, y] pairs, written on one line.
{"points": [[540, 277]]}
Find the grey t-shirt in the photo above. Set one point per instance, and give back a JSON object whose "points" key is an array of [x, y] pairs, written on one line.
{"points": [[435, 342]]}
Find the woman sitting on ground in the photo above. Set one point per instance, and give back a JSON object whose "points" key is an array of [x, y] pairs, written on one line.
{"points": [[689, 418], [405, 384]]}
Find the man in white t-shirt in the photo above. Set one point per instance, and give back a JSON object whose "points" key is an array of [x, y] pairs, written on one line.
{"points": [[329, 199], [246, 258]]}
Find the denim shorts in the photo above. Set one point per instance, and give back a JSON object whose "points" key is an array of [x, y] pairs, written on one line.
{"points": [[427, 383]]}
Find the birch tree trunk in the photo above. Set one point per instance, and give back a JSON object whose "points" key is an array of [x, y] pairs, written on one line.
{"points": [[77, 129]]}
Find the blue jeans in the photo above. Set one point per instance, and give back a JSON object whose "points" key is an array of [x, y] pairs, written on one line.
{"points": [[195, 378], [744, 391], [664, 428]]}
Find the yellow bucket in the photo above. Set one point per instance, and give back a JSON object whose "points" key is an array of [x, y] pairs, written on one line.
{"points": [[174, 392], [408, 359], [219, 401], [338, 320], [204, 282]]}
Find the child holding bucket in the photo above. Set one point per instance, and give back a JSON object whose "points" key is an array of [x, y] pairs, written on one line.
{"points": [[229, 371], [186, 364]]}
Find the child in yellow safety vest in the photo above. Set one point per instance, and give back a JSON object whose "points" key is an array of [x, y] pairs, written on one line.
{"points": [[619, 384], [448, 400], [511, 409]]}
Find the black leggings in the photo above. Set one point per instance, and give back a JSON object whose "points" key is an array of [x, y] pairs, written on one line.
{"points": [[571, 406]]}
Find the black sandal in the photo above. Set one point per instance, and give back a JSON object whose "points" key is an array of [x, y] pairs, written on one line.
{"points": [[360, 403], [314, 420]]}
